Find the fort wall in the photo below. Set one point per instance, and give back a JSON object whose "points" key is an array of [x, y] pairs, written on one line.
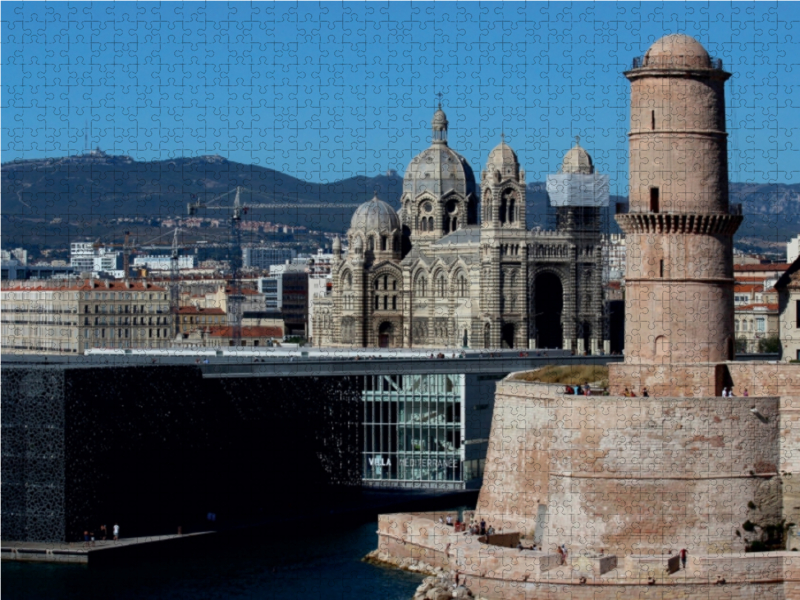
{"points": [[631, 475]]}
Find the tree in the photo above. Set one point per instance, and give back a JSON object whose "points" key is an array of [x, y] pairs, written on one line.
{"points": [[741, 346], [771, 344]]}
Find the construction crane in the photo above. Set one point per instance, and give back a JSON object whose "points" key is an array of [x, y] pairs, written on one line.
{"points": [[127, 248], [236, 298], [174, 272]]}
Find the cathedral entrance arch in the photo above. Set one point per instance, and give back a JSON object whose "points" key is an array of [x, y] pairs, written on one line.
{"points": [[548, 304], [385, 332], [507, 335]]}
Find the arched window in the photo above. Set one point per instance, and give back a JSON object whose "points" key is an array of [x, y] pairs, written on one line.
{"points": [[511, 208], [347, 280], [394, 302], [461, 284], [420, 289], [441, 285], [371, 243]]}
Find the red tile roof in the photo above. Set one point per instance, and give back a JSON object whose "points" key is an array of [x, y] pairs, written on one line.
{"points": [[771, 267], [100, 286], [768, 307]]}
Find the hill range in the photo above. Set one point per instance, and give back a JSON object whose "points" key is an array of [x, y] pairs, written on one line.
{"points": [[50, 202]]}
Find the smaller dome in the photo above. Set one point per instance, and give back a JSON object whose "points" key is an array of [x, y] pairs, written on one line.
{"points": [[577, 160], [337, 244], [503, 159], [375, 215], [439, 121], [677, 50]]}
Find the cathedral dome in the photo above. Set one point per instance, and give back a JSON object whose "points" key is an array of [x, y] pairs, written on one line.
{"points": [[677, 50], [375, 215], [577, 160], [504, 160], [439, 169]]}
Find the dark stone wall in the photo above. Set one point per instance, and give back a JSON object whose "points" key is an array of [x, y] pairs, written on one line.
{"points": [[154, 448]]}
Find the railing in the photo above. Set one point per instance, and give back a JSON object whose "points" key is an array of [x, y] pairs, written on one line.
{"points": [[677, 61]]}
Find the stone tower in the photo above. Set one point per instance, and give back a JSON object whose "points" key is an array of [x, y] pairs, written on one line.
{"points": [[679, 230], [503, 251]]}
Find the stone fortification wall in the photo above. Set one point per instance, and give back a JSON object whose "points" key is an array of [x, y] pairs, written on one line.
{"points": [[630, 475], [708, 379], [502, 573]]}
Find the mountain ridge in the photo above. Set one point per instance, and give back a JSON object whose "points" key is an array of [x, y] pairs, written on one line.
{"points": [[50, 200]]}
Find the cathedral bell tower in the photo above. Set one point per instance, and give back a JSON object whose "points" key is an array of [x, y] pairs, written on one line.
{"points": [[679, 228], [503, 251]]}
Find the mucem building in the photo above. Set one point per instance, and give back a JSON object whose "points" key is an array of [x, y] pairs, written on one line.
{"points": [[426, 430]]}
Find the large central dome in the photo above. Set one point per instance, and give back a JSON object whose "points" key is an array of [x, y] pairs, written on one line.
{"points": [[439, 169]]}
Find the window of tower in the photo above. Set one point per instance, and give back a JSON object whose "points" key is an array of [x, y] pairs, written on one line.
{"points": [[385, 281], [371, 243], [502, 210], [383, 243], [394, 302], [376, 302], [654, 200], [511, 216], [385, 302], [652, 119], [661, 268]]}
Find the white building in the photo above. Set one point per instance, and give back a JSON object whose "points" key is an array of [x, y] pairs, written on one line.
{"points": [[793, 249], [614, 255], [84, 257], [264, 258], [272, 288], [164, 262]]}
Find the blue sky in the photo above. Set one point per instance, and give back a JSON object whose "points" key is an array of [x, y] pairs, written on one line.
{"points": [[325, 91]]}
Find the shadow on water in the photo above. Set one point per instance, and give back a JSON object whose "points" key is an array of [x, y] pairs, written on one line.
{"points": [[309, 560]]}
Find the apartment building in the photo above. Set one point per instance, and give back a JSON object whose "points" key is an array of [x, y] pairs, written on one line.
{"points": [[70, 317]]}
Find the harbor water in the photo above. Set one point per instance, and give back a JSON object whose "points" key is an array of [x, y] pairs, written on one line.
{"points": [[318, 561]]}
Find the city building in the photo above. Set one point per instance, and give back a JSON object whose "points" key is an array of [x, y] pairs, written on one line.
{"points": [[448, 270], [266, 257], [793, 249], [18, 254], [788, 287], [294, 300], [614, 257], [222, 337], [426, 430], [70, 317], [86, 257], [754, 323], [194, 317], [272, 288], [164, 263]]}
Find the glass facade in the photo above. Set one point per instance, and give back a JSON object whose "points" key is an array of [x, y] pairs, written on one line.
{"points": [[413, 430]]}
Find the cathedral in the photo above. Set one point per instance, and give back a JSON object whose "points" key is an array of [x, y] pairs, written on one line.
{"points": [[455, 269]]}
